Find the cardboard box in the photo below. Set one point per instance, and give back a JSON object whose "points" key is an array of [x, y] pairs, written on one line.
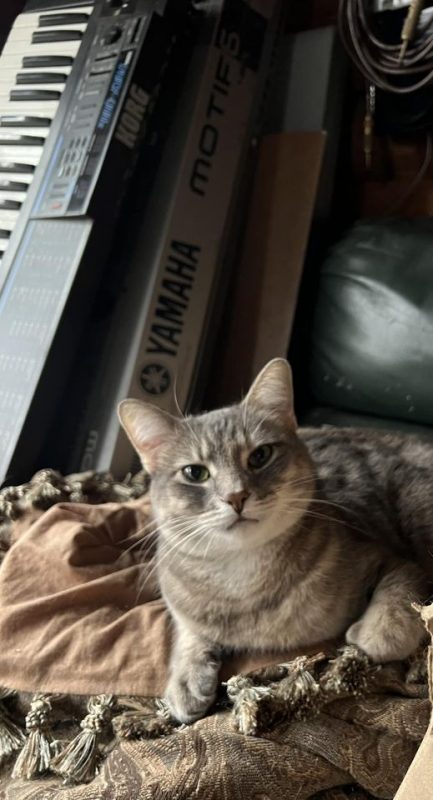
{"points": [[418, 781], [262, 301]]}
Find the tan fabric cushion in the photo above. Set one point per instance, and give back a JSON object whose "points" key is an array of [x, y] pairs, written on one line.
{"points": [[78, 613]]}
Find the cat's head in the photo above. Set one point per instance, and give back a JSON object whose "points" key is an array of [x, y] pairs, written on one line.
{"points": [[239, 474]]}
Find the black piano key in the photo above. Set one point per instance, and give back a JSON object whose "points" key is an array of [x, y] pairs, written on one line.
{"points": [[14, 166], [22, 121], [4, 234], [51, 20], [9, 205], [45, 37], [40, 77], [34, 95], [36, 62], [17, 139], [12, 186]]}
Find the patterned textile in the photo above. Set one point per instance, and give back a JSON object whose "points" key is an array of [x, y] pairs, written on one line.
{"points": [[353, 741]]}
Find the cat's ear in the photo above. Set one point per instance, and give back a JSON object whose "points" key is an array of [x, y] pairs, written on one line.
{"points": [[148, 428], [272, 391]]}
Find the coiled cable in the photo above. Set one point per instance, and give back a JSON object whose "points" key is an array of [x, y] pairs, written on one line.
{"points": [[401, 68]]}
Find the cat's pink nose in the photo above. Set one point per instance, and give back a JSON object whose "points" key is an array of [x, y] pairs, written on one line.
{"points": [[237, 500]]}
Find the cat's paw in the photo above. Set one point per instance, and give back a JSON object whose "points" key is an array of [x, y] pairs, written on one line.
{"points": [[383, 641], [190, 694]]}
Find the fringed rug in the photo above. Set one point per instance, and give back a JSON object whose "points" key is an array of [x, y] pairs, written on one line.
{"points": [[85, 640]]}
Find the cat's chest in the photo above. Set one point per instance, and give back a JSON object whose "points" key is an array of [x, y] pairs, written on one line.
{"points": [[250, 605]]}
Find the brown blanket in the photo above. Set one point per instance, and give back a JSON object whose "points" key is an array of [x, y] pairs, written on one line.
{"points": [[79, 608], [79, 615]]}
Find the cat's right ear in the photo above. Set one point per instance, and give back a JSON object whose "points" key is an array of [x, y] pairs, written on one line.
{"points": [[148, 428], [272, 391]]}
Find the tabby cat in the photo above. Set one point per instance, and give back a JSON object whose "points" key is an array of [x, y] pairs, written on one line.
{"points": [[273, 537]]}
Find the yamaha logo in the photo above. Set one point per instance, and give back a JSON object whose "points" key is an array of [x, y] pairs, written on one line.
{"points": [[155, 379]]}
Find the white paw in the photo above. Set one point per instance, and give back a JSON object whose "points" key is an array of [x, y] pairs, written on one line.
{"points": [[383, 643]]}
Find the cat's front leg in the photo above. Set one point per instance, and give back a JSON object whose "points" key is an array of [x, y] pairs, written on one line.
{"points": [[390, 629], [194, 667]]}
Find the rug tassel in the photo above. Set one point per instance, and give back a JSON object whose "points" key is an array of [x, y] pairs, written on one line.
{"points": [[78, 762], [245, 697], [143, 719], [40, 745], [299, 691], [347, 673], [12, 737]]}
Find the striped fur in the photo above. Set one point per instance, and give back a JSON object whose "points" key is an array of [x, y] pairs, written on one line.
{"points": [[325, 545]]}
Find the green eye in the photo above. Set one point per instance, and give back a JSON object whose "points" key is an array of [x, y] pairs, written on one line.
{"points": [[196, 473], [260, 456]]}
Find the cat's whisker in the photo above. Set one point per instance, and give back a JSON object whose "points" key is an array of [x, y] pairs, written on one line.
{"points": [[163, 558], [137, 532], [211, 540], [138, 543], [192, 553], [152, 533], [314, 514]]}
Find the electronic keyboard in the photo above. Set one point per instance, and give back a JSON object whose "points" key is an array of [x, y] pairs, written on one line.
{"points": [[78, 85], [124, 129]]}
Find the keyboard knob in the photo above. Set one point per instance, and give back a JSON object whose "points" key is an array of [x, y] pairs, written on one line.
{"points": [[112, 36]]}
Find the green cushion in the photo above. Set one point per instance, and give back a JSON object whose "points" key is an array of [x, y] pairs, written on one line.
{"points": [[373, 327], [324, 416]]}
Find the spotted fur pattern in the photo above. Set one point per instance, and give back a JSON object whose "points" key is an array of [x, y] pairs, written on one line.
{"points": [[322, 543]]}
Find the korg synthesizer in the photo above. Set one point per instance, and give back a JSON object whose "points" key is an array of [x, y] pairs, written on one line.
{"points": [[78, 83], [148, 321]]}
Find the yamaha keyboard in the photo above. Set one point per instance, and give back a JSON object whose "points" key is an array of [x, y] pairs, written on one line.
{"points": [[78, 85], [108, 276]]}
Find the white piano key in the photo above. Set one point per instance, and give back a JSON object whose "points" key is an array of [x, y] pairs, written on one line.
{"points": [[19, 196], [47, 48], [8, 219], [20, 158], [5, 130], [25, 154], [45, 108], [26, 20], [35, 87], [25, 34], [23, 40], [21, 109], [23, 177]]}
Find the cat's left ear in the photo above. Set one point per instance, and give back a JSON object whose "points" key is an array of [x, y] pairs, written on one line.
{"points": [[148, 429], [272, 391]]}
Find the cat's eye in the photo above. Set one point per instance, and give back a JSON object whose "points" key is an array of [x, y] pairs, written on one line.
{"points": [[260, 456], [196, 473]]}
